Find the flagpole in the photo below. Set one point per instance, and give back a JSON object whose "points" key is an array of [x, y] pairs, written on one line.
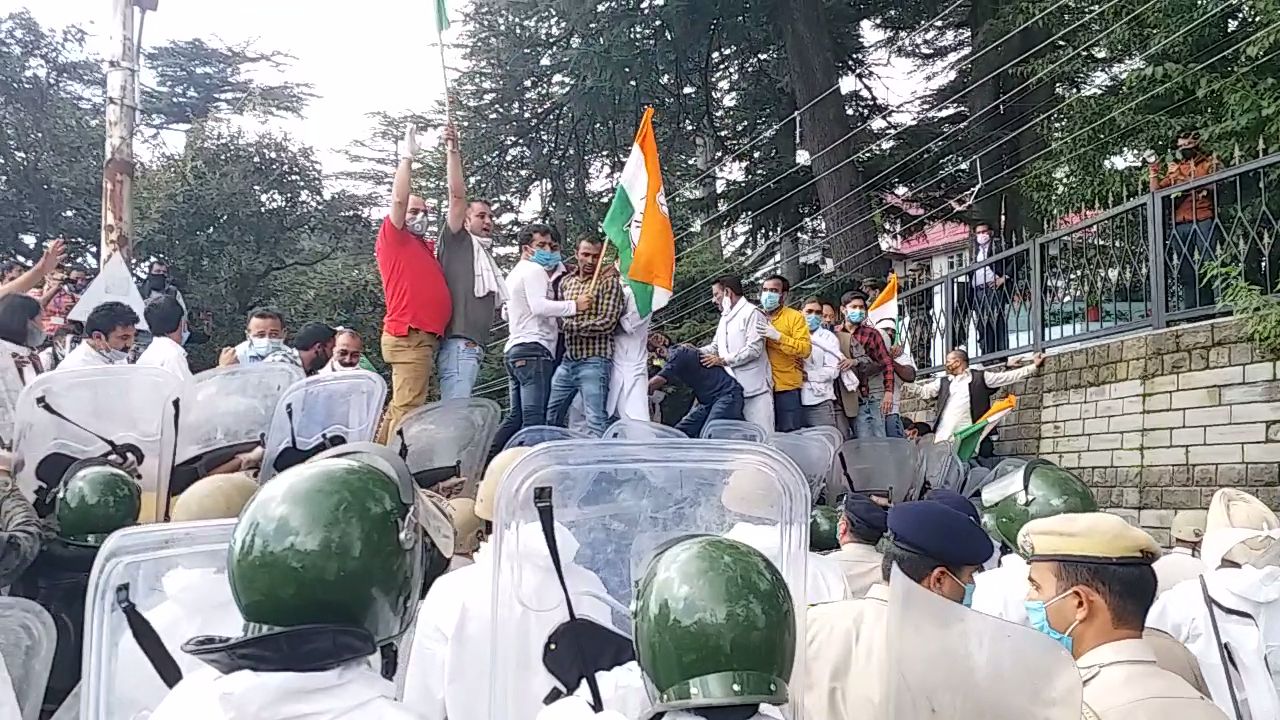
{"points": [[595, 277], [444, 74]]}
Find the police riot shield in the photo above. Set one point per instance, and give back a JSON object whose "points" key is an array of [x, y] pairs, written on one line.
{"points": [[448, 439], [613, 505], [626, 429], [812, 454], [321, 412], [228, 413], [538, 434], [946, 661], [124, 412], [831, 435], [883, 467], [174, 577], [938, 466], [27, 640], [996, 485], [734, 430]]}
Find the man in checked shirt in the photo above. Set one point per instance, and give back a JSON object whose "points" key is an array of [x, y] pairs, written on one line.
{"points": [[588, 340], [876, 389]]}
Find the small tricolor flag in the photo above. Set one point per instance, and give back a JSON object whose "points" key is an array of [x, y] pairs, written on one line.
{"points": [[969, 438], [639, 226], [442, 16], [885, 306]]}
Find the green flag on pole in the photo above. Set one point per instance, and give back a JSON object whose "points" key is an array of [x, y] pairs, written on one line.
{"points": [[442, 16]]}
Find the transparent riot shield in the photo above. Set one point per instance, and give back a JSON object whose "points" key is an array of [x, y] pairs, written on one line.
{"points": [[27, 640], [538, 434], [831, 435], [175, 577], [812, 454], [321, 412], [126, 411], [734, 430], [1005, 480], [228, 412], [613, 505], [946, 661], [448, 439], [626, 429], [938, 466], [884, 467]]}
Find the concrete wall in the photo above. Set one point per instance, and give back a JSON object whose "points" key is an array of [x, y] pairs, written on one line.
{"points": [[1155, 423]]}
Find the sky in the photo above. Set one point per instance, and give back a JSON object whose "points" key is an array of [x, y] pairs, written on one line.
{"points": [[360, 58]]}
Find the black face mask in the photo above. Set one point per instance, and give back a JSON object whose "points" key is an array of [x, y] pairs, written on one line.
{"points": [[156, 281], [1188, 153], [317, 364]]}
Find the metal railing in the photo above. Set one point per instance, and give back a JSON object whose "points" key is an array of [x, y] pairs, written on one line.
{"points": [[1140, 265]]}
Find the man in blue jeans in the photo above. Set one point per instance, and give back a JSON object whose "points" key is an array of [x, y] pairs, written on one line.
{"points": [[531, 344], [475, 283], [588, 340], [718, 395]]}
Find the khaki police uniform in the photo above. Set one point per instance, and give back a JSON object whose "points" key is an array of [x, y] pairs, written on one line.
{"points": [[847, 658], [861, 565], [1122, 679]]}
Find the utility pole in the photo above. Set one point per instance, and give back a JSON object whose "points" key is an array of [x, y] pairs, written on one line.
{"points": [[122, 111]]}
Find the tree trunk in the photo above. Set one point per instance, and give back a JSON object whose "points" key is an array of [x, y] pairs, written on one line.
{"points": [[708, 196], [812, 66], [984, 103], [787, 214]]}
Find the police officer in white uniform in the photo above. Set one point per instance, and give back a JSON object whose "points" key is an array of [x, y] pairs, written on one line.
{"points": [[846, 661], [1091, 588]]}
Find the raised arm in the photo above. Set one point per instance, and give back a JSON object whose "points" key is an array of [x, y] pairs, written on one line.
{"points": [[924, 391], [404, 178], [456, 181], [47, 263], [1000, 378]]}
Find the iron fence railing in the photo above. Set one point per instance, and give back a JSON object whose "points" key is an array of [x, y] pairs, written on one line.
{"points": [[1138, 265]]}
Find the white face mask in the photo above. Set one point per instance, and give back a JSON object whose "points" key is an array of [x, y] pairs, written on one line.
{"points": [[725, 304], [984, 238], [262, 347]]}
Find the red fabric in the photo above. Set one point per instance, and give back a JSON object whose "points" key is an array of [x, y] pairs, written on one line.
{"points": [[412, 282]]}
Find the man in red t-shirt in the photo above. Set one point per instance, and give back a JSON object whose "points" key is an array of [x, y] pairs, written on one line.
{"points": [[418, 305]]}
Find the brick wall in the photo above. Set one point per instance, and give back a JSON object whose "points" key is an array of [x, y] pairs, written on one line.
{"points": [[1155, 423]]}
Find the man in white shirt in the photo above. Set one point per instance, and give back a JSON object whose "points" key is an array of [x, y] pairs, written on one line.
{"points": [[109, 332], [168, 325], [964, 395], [264, 334], [821, 368], [739, 348], [1183, 561], [529, 354]]}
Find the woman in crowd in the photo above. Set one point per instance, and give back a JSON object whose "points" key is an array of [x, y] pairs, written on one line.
{"points": [[21, 334]]}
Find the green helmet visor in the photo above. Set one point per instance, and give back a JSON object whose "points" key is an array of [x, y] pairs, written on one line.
{"points": [[723, 688]]}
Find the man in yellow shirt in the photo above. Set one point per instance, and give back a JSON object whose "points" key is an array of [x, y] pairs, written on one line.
{"points": [[787, 344]]}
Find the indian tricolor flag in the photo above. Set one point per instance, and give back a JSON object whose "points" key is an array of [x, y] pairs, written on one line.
{"points": [[640, 228], [885, 306], [969, 438]]}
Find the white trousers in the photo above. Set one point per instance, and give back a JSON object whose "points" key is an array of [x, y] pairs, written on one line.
{"points": [[759, 410]]}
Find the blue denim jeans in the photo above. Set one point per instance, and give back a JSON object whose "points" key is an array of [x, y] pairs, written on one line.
{"points": [[459, 364], [529, 368], [788, 413], [726, 407], [589, 376], [893, 426], [870, 421]]}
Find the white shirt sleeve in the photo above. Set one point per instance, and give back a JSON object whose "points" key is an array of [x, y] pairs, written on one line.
{"points": [[926, 391], [535, 287], [1000, 378]]}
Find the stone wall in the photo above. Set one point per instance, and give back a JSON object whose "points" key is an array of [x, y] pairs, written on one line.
{"points": [[1154, 423]]}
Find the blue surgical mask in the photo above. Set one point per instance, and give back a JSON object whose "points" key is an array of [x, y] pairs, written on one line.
{"points": [[856, 316], [1038, 617], [546, 258], [814, 321], [770, 300], [968, 590]]}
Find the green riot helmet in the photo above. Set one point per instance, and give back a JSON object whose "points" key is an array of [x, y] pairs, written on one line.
{"points": [[331, 542], [95, 499], [1037, 489], [824, 529], [715, 626]]}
